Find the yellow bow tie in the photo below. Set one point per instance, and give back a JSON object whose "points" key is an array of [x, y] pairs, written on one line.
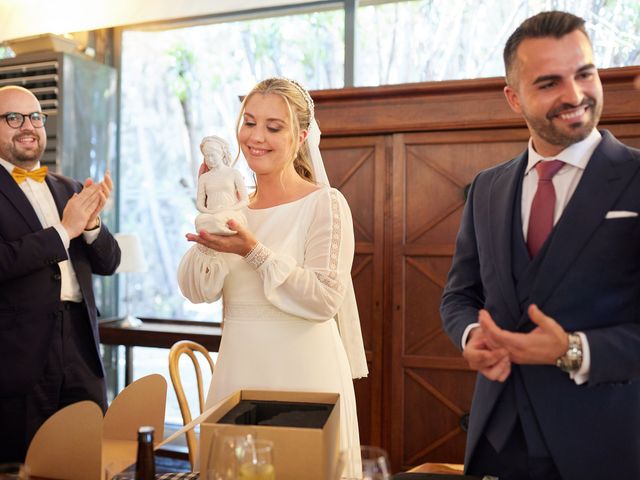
{"points": [[20, 175]]}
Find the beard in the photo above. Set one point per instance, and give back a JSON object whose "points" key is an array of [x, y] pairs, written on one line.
{"points": [[567, 135], [19, 156]]}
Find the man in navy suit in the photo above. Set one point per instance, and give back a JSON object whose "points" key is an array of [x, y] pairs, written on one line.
{"points": [[543, 295], [51, 242]]}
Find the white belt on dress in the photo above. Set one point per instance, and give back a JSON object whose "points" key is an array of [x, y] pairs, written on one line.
{"points": [[256, 313]]}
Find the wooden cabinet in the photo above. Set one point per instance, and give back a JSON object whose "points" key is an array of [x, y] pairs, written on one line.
{"points": [[403, 156]]}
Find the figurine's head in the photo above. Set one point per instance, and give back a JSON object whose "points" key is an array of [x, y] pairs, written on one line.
{"points": [[215, 150]]}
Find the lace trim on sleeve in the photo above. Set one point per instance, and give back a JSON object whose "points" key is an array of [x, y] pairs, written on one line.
{"points": [[257, 256], [331, 279]]}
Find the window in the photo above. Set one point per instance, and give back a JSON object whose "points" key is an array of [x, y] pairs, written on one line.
{"points": [[179, 86], [417, 41]]}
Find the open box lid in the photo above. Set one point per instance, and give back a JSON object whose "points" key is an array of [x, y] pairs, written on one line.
{"points": [[76, 443]]}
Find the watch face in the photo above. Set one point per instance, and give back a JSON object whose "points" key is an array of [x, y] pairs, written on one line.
{"points": [[572, 360]]}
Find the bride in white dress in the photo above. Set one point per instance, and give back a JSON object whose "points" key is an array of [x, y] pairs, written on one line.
{"points": [[290, 317]]}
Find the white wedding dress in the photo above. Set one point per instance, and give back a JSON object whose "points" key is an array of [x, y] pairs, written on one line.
{"points": [[279, 330]]}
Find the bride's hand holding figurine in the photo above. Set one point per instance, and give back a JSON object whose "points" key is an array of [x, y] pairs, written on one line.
{"points": [[241, 243]]}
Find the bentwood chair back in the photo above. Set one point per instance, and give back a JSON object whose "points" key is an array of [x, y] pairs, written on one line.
{"points": [[188, 348]]}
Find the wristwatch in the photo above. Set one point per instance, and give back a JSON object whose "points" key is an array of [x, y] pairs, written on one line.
{"points": [[571, 361], [95, 225]]}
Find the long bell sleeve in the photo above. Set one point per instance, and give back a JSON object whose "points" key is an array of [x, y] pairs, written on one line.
{"points": [[201, 274], [316, 289]]}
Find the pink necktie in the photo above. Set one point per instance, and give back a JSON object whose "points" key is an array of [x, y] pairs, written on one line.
{"points": [[544, 202]]}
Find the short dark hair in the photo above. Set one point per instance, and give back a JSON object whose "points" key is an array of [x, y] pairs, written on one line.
{"points": [[545, 24]]}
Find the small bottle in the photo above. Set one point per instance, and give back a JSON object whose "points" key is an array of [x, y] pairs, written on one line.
{"points": [[145, 463]]}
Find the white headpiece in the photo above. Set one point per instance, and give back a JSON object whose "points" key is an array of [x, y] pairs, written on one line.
{"points": [[313, 137]]}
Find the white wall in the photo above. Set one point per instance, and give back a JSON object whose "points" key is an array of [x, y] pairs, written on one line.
{"points": [[24, 18]]}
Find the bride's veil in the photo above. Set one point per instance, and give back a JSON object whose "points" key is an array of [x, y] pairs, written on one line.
{"points": [[347, 317]]}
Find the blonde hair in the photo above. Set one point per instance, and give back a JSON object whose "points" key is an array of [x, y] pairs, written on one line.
{"points": [[300, 116]]}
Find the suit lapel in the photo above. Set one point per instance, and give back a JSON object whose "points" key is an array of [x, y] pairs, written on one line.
{"points": [[501, 204], [608, 173], [14, 194]]}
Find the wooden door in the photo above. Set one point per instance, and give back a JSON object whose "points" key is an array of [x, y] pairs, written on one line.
{"points": [[433, 387]]}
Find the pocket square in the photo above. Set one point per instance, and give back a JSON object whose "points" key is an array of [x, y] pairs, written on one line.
{"points": [[620, 214]]}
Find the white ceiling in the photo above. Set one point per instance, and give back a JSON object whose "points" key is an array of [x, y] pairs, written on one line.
{"points": [[25, 18]]}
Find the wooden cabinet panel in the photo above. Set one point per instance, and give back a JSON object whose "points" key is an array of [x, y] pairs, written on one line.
{"points": [[431, 172]]}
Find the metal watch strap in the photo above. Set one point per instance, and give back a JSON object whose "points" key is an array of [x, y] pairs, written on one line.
{"points": [[571, 361]]}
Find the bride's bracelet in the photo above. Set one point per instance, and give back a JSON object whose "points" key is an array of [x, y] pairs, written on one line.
{"points": [[257, 255]]}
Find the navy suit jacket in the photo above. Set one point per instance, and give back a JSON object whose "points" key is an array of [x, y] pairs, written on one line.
{"points": [[30, 280], [589, 281]]}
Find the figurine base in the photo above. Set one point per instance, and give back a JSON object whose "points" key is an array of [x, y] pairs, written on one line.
{"points": [[216, 223]]}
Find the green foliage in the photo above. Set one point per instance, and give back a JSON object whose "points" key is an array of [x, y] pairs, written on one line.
{"points": [[182, 79]]}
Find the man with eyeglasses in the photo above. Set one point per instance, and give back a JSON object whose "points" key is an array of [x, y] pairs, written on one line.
{"points": [[51, 242]]}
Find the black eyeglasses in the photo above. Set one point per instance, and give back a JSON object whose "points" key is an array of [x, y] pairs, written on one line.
{"points": [[16, 120]]}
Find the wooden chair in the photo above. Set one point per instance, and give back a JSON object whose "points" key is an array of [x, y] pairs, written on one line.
{"points": [[189, 348]]}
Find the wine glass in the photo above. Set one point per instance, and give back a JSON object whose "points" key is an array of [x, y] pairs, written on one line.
{"points": [[256, 460], [375, 463], [222, 463], [362, 463], [14, 471], [226, 455]]}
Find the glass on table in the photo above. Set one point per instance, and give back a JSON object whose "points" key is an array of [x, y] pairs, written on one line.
{"points": [[375, 463], [239, 457], [363, 463], [222, 458], [14, 471], [256, 460]]}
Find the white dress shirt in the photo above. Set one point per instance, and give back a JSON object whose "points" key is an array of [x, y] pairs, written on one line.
{"points": [[576, 157], [42, 201]]}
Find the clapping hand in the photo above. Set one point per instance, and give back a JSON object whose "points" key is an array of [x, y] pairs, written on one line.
{"points": [[82, 209], [105, 188]]}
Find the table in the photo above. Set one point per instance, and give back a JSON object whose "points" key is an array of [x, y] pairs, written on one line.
{"points": [[157, 333]]}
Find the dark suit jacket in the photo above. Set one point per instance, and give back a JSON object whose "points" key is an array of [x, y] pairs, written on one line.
{"points": [[30, 280], [589, 281]]}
